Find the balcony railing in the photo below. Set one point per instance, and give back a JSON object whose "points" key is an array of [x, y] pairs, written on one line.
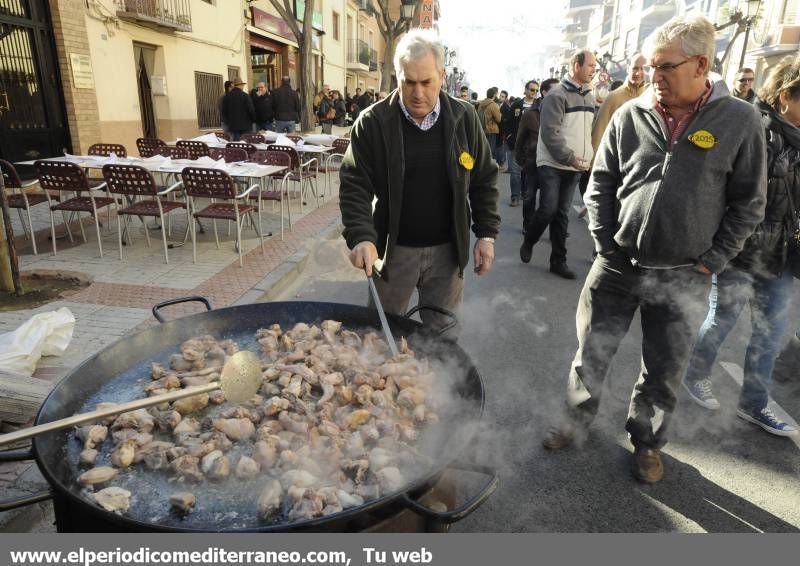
{"points": [[373, 60], [174, 15], [358, 52]]}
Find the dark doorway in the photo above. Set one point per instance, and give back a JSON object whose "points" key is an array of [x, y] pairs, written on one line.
{"points": [[32, 123], [145, 59]]}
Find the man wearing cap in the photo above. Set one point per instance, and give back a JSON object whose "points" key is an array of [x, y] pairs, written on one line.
{"points": [[238, 111]]}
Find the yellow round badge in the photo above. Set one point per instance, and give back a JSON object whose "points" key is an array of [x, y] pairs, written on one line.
{"points": [[466, 161], [703, 139]]}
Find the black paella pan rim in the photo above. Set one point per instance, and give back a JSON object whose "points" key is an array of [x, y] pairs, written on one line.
{"points": [[134, 349]]}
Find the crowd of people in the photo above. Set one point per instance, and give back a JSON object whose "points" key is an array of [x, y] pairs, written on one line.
{"points": [[691, 191]]}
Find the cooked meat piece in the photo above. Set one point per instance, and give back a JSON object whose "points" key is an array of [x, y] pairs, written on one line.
{"points": [[168, 382], [183, 502], [357, 418], [265, 454], [293, 424], [216, 466], [240, 412], [97, 476], [229, 346], [356, 468], [191, 404], [274, 406], [347, 499], [87, 457], [166, 420], [410, 397], [247, 468], [419, 413], [113, 499], [106, 421], [195, 380], [139, 419], [92, 435], [269, 500], [306, 508], [368, 490], [123, 456], [215, 357], [235, 429], [179, 363], [186, 467], [379, 459], [189, 424], [216, 397]]}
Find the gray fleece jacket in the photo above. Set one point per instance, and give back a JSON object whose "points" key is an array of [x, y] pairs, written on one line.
{"points": [[668, 209], [565, 129]]}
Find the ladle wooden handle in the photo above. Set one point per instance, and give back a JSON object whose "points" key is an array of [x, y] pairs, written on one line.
{"points": [[107, 412]]}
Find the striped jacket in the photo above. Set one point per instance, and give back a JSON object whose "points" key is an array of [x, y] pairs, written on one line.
{"points": [[566, 126]]}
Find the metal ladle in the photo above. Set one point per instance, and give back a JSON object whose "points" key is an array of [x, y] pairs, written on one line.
{"points": [[239, 379]]}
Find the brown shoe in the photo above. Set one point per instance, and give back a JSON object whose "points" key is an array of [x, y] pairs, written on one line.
{"points": [[646, 465], [558, 437]]}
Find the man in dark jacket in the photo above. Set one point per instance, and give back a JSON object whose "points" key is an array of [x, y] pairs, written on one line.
{"points": [[512, 113], [262, 101], [237, 110], [286, 107], [326, 111], [527, 138], [677, 187], [424, 156]]}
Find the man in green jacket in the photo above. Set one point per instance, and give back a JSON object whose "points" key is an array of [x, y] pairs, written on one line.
{"points": [[423, 158]]}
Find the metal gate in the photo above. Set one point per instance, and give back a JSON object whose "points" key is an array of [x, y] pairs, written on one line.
{"points": [[32, 123]]}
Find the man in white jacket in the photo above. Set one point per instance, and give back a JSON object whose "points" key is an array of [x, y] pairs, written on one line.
{"points": [[564, 151]]}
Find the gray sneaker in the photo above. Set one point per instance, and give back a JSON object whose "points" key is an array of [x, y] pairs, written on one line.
{"points": [[700, 392]]}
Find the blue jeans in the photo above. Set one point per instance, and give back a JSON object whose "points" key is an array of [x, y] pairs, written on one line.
{"points": [[284, 126], [499, 150], [769, 313], [492, 139], [556, 188], [514, 171]]}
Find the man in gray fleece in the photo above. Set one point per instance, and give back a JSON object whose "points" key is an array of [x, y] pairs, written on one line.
{"points": [[678, 185]]}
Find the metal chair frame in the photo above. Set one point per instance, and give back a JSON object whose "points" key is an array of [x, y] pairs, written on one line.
{"points": [[63, 176], [282, 159], [214, 184], [340, 146], [248, 147], [137, 182], [20, 200], [301, 172]]}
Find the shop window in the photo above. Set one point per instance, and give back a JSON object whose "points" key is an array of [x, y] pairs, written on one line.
{"points": [[208, 88]]}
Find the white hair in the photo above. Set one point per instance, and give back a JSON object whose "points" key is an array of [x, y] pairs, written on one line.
{"points": [[695, 35], [415, 45]]}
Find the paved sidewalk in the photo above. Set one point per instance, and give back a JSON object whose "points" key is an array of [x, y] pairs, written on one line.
{"points": [[121, 294]]}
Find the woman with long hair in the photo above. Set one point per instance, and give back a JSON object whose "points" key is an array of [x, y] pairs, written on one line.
{"points": [[759, 276]]}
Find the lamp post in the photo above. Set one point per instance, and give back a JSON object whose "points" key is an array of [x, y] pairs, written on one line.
{"points": [[752, 12], [407, 9]]}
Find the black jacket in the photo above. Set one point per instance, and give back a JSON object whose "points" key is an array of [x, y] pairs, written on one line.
{"points": [[263, 106], [341, 112], [374, 167], [764, 253], [237, 111], [286, 104], [528, 136], [510, 123], [324, 105]]}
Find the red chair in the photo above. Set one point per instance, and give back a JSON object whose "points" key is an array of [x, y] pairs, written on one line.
{"points": [[333, 161], [63, 176], [248, 147], [195, 149], [216, 184], [229, 154], [139, 185], [253, 138], [20, 199], [148, 147], [106, 149], [295, 137], [281, 159], [223, 136], [302, 174]]}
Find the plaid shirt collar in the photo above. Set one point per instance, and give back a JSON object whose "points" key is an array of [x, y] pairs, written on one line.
{"points": [[428, 121], [676, 127]]}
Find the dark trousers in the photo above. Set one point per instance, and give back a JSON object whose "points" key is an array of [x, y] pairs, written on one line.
{"points": [[529, 190], [556, 188], [672, 304]]}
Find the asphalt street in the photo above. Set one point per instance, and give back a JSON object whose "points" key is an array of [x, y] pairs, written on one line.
{"points": [[722, 474]]}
